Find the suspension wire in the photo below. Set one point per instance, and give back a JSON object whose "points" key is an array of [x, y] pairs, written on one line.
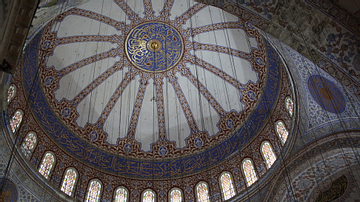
{"points": [[300, 103], [337, 113], [17, 136], [315, 138]]}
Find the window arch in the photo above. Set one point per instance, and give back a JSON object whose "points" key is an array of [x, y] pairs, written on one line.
{"points": [[47, 164], [249, 171], [289, 105], [94, 191], [282, 131], [268, 154], [148, 196], [121, 195], [15, 121], [175, 195], [29, 144], [69, 181], [11, 93], [202, 192], [227, 186]]}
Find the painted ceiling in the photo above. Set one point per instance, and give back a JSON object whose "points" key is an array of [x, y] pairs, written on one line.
{"points": [[153, 89]]}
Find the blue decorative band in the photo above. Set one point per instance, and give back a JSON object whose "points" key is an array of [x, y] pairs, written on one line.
{"points": [[85, 152]]}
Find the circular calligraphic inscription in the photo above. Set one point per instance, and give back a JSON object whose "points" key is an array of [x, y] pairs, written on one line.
{"points": [[154, 47], [326, 94]]}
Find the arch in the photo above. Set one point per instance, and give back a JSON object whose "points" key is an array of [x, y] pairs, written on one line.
{"points": [[268, 153], [70, 178], [94, 191], [289, 104], [121, 195], [227, 186], [175, 195], [29, 143], [47, 164], [281, 131], [202, 192], [148, 196], [249, 172], [15, 120], [11, 92]]}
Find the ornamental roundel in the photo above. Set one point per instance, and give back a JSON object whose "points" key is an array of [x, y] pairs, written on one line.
{"points": [[326, 94], [154, 47], [154, 87]]}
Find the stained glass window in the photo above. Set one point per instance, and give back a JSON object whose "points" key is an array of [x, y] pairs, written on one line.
{"points": [[47, 164], [16, 120], [11, 93], [175, 195], [268, 154], [202, 192], [121, 195], [148, 196], [28, 144], [93, 194], [249, 172], [227, 186], [289, 106], [69, 181], [282, 132]]}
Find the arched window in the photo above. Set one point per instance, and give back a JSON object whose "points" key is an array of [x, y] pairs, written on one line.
{"points": [[11, 93], [69, 181], [227, 186], [93, 194], [281, 131], [202, 192], [121, 195], [16, 120], [289, 105], [268, 154], [148, 196], [175, 195], [47, 164], [249, 172], [29, 144]]}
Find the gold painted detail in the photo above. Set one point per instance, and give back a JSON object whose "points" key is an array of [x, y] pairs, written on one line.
{"points": [[154, 47]]}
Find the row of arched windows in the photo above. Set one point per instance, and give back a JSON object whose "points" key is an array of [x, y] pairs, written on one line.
{"points": [[121, 193]]}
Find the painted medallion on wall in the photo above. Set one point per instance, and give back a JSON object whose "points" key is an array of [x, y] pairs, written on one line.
{"points": [[326, 94], [9, 190]]}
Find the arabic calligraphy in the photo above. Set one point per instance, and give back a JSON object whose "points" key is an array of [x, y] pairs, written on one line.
{"points": [[154, 47]]}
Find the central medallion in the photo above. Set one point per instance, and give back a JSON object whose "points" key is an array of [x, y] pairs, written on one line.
{"points": [[154, 47]]}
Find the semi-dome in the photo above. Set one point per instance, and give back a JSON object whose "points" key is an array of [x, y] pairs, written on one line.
{"points": [[151, 94]]}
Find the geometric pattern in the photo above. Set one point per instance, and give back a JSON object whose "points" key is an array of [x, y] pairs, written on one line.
{"points": [[202, 192], [227, 186], [267, 95]]}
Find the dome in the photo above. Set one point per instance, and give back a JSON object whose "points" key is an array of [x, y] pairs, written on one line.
{"points": [[141, 92]]}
